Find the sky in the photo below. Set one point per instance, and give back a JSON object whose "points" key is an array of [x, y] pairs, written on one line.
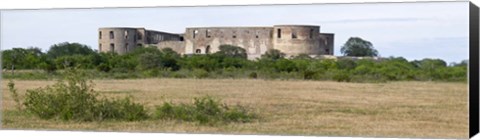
{"points": [[410, 30]]}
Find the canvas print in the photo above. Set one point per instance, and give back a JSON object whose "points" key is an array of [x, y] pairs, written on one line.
{"points": [[357, 70]]}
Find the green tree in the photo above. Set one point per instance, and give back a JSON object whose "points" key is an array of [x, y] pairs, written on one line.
{"points": [[232, 51], [20, 58], [356, 46], [170, 59], [273, 54], [302, 56], [346, 63], [285, 65], [66, 48], [429, 64], [205, 62], [149, 61]]}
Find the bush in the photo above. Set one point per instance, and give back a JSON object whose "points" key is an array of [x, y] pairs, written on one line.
{"points": [[200, 73], [121, 109], [15, 96], [253, 75], [228, 62], [74, 99], [308, 74], [104, 67], [151, 73], [205, 110], [231, 51], [179, 75], [342, 76]]}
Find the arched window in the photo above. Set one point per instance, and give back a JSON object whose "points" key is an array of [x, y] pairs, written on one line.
{"points": [[111, 35], [207, 50], [294, 34], [207, 33], [198, 51], [311, 33], [279, 33], [100, 35], [194, 33], [112, 47]]}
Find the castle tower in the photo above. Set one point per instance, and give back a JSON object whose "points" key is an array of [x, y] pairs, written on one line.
{"points": [[122, 40], [119, 40], [297, 39]]}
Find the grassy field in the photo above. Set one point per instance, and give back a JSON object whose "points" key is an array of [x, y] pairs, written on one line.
{"points": [[321, 108]]}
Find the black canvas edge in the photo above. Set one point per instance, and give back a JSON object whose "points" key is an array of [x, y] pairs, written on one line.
{"points": [[473, 70]]}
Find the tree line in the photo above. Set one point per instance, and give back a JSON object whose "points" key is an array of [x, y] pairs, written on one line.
{"points": [[229, 62]]}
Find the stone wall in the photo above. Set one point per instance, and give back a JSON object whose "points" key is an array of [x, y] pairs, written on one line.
{"points": [[177, 46], [119, 40], [255, 40], [326, 43], [154, 37], [122, 40], [289, 39], [297, 39]]}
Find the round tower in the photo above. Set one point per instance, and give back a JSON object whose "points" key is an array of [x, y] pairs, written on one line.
{"points": [[297, 39], [119, 40]]}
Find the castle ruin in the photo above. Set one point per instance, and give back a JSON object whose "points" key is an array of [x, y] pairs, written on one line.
{"points": [[289, 39]]}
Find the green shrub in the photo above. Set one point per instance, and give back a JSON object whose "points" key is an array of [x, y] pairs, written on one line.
{"points": [[28, 75], [180, 74], [342, 76], [104, 67], [200, 73], [15, 96], [253, 75], [74, 99], [151, 73], [121, 109], [205, 110], [308, 75]]}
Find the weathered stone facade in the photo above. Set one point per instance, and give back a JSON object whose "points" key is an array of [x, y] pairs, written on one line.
{"points": [[289, 39], [122, 40]]}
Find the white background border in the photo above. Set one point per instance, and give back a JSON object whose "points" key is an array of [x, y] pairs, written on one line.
{"points": [[74, 135], [35, 4]]}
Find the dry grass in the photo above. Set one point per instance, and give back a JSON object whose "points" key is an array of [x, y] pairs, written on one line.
{"points": [[397, 109]]}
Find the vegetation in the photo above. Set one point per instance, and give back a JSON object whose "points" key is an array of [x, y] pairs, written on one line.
{"points": [[356, 46], [228, 62], [287, 107], [205, 110], [232, 51], [74, 99], [14, 94], [393, 103]]}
